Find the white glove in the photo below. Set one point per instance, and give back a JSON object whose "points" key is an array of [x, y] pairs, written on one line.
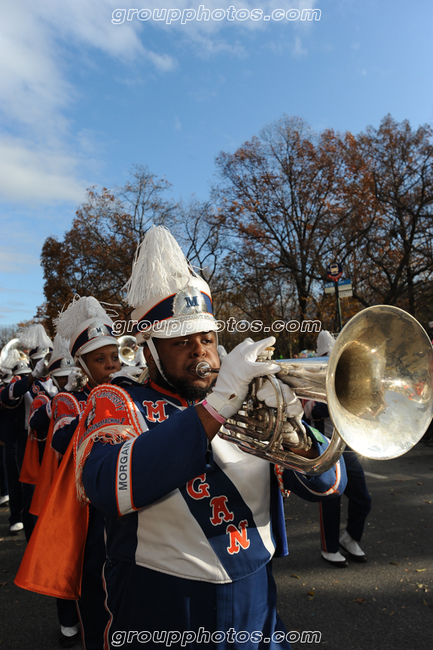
{"points": [[132, 372], [238, 369], [293, 409], [40, 370], [222, 352], [293, 406], [74, 379]]}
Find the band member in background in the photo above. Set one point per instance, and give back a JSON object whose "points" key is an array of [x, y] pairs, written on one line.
{"points": [[94, 348], [35, 385], [41, 426], [14, 414], [359, 500], [192, 521]]}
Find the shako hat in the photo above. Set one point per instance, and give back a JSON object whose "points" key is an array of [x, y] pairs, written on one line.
{"points": [[86, 325], [61, 361], [36, 341], [168, 296]]}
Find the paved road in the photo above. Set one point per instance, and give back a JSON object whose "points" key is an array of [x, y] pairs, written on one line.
{"points": [[386, 603]]}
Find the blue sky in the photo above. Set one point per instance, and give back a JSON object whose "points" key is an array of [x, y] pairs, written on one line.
{"points": [[83, 98]]}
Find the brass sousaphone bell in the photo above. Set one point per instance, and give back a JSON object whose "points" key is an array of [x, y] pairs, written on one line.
{"points": [[127, 349], [14, 344], [377, 383]]}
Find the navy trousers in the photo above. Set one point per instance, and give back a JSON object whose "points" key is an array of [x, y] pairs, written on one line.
{"points": [[358, 507], [92, 611], [160, 610], [3, 477]]}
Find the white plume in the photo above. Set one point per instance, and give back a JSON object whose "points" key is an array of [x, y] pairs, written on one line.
{"points": [[34, 336], [159, 268], [325, 343], [61, 349], [11, 360], [80, 310]]}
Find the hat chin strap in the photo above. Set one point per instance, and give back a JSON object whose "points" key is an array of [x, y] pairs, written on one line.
{"points": [[86, 370], [154, 353], [55, 382]]}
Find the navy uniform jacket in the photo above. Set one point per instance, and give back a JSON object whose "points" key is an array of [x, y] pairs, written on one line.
{"points": [[188, 508]]}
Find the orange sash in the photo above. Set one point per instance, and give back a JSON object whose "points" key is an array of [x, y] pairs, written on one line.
{"points": [[53, 560], [65, 407], [31, 465], [49, 465]]}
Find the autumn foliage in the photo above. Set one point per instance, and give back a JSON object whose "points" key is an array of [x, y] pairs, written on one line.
{"points": [[287, 203]]}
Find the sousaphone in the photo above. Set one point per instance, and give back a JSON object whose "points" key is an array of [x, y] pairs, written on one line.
{"points": [[377, 383]]}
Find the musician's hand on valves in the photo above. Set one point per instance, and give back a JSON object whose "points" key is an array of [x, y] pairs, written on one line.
{"points": [[292, 408], [238, 369], [292, 405]]}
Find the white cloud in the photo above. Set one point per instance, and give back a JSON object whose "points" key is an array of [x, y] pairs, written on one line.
{"points": [[40, 174], [41, 155], [13, 260]]}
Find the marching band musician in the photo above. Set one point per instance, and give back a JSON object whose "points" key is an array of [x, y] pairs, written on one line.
{"points": [[192, 522], [359, 499], [94, 348], [59, 413], [14, 415], [36, 389], [42, 424]]}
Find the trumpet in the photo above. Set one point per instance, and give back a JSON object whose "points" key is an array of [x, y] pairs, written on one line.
{"points": [[377, 383]]}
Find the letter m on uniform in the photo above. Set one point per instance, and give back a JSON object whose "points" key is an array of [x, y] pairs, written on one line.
{"points": [[238, 538], [191, 301], [155, 411]]}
